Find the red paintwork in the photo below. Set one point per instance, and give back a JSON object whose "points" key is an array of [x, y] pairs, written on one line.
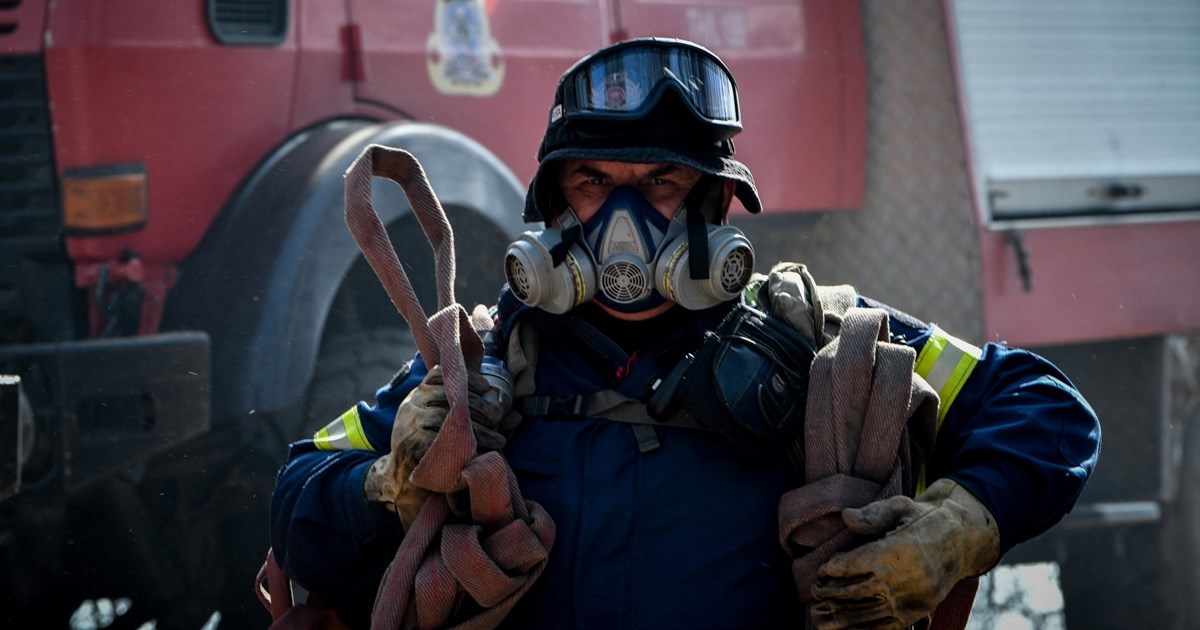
{"points": [[801, 75], [1093, 283], [135, 81], [28, 20], [806, 54], [144, 82], [154, 280], [509, 123]]}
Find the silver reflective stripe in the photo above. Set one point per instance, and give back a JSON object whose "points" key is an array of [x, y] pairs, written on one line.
{"points": [[945, 362], [343, 434]]}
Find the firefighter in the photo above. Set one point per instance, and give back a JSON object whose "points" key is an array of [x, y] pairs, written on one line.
{"points": [[665, 525]]}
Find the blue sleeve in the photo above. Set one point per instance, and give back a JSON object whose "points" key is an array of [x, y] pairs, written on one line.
{"points": [[1019, 436], [324, 532]]}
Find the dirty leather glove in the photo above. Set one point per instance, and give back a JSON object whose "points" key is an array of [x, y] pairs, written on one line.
{"points": [[929, 543], [418, 420], [792, 292]]}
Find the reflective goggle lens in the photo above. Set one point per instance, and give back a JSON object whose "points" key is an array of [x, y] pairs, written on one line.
{"points": [[624, 81]]}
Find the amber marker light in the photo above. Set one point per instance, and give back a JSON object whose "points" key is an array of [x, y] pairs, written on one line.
{"points": [[105, 199]]}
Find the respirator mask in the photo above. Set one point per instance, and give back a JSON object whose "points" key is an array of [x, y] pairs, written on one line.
{"points": [[630, 258]]}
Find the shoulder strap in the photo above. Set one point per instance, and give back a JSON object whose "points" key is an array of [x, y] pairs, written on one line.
{"points": [[522, 356], [608, 404]]}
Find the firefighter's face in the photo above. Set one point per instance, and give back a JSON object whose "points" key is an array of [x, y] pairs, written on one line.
{"points": [[587, 183]]}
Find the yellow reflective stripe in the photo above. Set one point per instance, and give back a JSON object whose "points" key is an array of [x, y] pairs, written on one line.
{"points": [[343, 434], [324, 442], [945, 362]]}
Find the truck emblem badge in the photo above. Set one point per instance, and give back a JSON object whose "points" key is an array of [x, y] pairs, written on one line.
{"points": [[461, 55], [622, 91]]}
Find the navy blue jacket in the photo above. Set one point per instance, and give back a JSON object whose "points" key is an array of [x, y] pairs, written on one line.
{"points": [[684, 535]]}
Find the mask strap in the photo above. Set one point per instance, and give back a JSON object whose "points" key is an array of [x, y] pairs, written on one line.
{"points": [[570, 236], [697, 229]]}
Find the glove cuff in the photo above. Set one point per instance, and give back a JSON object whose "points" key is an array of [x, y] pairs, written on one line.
{"points": [[979, 542], [375, 480], [386, 483]]}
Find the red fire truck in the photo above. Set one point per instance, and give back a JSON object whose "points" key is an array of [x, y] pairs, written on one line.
{"points": [[179, 297]]}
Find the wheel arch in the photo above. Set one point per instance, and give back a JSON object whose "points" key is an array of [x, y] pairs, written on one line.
{"points": [[263, 280]]}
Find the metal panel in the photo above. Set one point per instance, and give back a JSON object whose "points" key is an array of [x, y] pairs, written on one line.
{"points": [[1103, 91], [28, 189], [145, 394], [1069, 196], [913, 243]]}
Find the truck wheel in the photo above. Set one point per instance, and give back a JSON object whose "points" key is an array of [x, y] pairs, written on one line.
{"points": [[1184, 528], [351, 367]]}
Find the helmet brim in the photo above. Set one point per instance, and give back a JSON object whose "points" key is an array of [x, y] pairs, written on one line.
{"points": [[541, 187]]}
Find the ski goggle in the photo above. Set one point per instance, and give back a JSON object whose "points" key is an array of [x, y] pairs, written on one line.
{"points": [[626, 81]]}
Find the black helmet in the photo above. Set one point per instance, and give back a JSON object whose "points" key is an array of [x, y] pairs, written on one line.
{"points": [[643, 100]]}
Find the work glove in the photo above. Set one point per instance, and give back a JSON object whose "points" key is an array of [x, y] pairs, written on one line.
{"points": [[793, 299], [929, 543], [418, 421]]}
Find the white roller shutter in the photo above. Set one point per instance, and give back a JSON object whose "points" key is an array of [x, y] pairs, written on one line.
{"points": [[1082, 110]]}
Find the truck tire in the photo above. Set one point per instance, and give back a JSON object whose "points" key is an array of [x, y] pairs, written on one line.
{"points": [[351, 367], [214, 555]]}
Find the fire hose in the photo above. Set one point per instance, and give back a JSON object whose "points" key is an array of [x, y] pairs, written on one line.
{"points": [[476, 546], [870, 424], [475, 536]]}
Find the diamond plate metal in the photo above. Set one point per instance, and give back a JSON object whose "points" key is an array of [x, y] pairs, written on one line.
{"points": [[913, 244]]}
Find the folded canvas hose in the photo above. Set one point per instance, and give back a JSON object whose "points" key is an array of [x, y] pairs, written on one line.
{"points": [[870, 423], [477, 545]]}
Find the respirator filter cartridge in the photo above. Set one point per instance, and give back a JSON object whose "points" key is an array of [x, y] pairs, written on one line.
{"points": [[536, 281], [730, 265]]}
